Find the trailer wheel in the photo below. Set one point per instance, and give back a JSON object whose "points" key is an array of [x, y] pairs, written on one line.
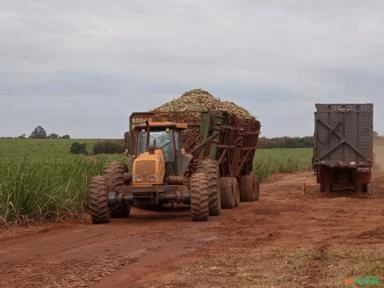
{"points": [[98, 200], [256, 183], [322, 187], [364, 188], [236, 190], [328, 188], [199, 197], [228, 197], [209, 167], [247, 188], [114, 174]]}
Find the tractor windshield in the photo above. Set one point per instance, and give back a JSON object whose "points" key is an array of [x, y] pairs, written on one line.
{"points": [[160, 139]]}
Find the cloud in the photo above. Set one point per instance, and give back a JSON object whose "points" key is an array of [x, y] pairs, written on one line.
{"points": [[84, 66]]}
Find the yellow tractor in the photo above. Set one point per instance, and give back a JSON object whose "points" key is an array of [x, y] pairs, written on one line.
{"points": [[200, 163]]}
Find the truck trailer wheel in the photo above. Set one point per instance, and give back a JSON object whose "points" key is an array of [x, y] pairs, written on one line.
{"points": [[98, 200], [209, 167], [114, 174], [228, 200], [247, 188], [199, 197]]}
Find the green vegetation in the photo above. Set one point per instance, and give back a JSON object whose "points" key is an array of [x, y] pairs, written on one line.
{"points": [[41, 179], [281, 160], [39, 149], [47, 189], [79, 148], [108, 147]]}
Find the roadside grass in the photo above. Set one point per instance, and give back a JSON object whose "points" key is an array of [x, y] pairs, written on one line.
{"points": [[41, 180], [338, 266]]}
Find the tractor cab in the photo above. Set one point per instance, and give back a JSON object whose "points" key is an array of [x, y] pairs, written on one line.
{"points": [[158, 145]]}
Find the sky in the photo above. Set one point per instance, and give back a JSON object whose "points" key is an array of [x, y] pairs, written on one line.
{"points": [[81, 67]]}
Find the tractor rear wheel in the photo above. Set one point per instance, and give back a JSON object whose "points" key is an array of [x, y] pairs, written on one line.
{"points": [[209, 167], [199, 197], [98, 200], [114, 174], [247, 188], [228, 197]]}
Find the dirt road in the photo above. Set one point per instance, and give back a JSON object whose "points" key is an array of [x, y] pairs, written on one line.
{"points": [[293, 237]]}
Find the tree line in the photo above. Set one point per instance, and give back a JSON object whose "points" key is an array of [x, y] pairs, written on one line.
{"points": [[40, 133]]}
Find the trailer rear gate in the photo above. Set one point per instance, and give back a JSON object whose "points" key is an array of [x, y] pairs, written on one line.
{"points": [[343, 133]]}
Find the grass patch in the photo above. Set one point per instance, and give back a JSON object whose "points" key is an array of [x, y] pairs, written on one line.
{"points": [[332, 267]]}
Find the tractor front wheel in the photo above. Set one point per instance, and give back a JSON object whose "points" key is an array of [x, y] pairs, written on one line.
{"points": [[98, 200], [114, 174]]}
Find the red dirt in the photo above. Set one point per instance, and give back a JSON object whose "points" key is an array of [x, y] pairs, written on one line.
{"points": [[293, 237]]}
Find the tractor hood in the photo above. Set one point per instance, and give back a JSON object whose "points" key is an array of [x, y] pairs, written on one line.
{"points": [[149, 168]]}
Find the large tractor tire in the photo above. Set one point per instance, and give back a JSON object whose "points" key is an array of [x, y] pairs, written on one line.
{"points": [[199, 197], [114, 174], [98, 200], [209, 167], [247, 188], [228, 197]]}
